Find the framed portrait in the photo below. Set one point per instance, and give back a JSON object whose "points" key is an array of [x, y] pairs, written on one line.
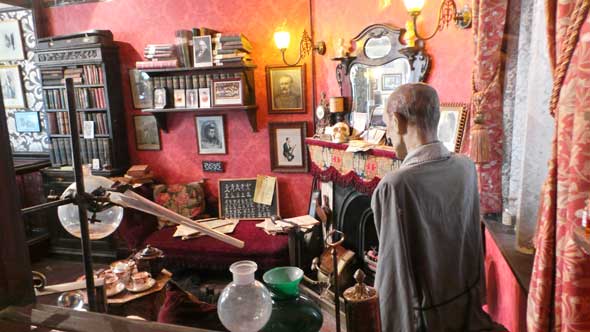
{"points": [[204, 98], [451, 125], [227, 91], [202, 53], [179, 98], [147, 134], [192, 98], [27, 122], [141, 89], [285, 87], [160, 98], [391, 81], [210, 134], [287, 147], [11, 43], [12, 87]]}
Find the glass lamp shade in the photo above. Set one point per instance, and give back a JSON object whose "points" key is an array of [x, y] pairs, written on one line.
{"points": [[106, 222], [245, 305], [414, 6], [282, 39]]}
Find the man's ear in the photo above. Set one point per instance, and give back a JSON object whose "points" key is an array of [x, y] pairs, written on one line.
{"points": [[402, 123]]}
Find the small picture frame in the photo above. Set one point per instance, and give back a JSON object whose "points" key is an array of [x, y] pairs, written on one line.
{"points": [[285, 87], [192, 98], [202, 54], [391, 81], [147, 134], [11, 43], [27, 122], [12, 87], [179, 98], [160, 98], [227, 91], [451, 125], [210, 134], [288, 152], [204, 98], [141, 89]]}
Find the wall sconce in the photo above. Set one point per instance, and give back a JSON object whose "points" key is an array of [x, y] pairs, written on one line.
{"points": [[447, 12], [283, 37]]}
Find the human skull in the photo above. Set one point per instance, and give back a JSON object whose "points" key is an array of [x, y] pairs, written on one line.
{"points": [[340, 132]]}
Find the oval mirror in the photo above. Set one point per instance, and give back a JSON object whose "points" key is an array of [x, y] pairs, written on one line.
{"points": [[376, 48]]}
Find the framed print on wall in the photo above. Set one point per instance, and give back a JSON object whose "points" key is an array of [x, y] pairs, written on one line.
{"points": [[141, 89], [451, 125], [227, 91], [12, 87], [287, 147], [285, 87], [147, 134], [210, 134], [11, 43], [27, 122]]}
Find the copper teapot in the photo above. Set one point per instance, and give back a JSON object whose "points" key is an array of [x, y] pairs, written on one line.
{"points": [[150, 259]]}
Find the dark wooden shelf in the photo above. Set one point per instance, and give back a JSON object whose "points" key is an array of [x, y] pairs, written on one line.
{"points": [[239, 66], [53, 87], [160, 113]]}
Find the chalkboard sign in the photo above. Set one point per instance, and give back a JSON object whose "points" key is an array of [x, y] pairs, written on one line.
{"points": [[236, 200], [212, 166]]}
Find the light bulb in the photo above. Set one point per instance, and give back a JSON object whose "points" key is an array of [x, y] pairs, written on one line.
{"points": [[414, 6], [100, 223], [282, 39]]}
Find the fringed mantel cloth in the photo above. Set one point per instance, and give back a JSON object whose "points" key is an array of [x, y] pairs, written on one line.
{"points": [[362, 170]]}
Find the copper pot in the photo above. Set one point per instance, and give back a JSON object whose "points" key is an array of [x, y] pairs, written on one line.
{"points": [[150, 259]]}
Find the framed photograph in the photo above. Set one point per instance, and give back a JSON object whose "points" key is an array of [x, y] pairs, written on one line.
{"points": [[11, 43], [179, 98], [27, 122], [204, 98], [192, 98], [451, 125], [141, 89], [147, 134], [287, 146], [202, 53], [210, 134], [160, 98], [390, 81], [285, 87], [227, 91], [12, 87]]}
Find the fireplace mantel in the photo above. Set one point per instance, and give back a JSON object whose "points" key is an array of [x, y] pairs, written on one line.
{"points": [[361, 170]]}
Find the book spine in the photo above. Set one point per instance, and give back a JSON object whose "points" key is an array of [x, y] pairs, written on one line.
{"points": [[107, 151], [100, 151], [94, 144], [83, 153], [52, 154]]}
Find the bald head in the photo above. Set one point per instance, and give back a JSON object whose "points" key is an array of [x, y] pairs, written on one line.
{"points": [[418, 104]]}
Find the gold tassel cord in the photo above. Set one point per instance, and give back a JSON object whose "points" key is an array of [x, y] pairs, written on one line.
{"points": [[480, 137]]}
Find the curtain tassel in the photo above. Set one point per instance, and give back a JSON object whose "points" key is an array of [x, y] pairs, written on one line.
{"points": [[480, 140]]}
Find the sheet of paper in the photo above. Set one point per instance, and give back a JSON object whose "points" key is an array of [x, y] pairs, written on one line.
{"points": [[358, 146], [305, 220], [374, 135], [265, 189], [88, 129], [225, 226], [359, 121]]}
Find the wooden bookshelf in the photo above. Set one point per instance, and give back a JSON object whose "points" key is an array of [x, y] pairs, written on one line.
{"points": [[205, 76]]}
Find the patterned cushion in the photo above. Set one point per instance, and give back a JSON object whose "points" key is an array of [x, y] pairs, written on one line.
{"points": [[187, 200]]}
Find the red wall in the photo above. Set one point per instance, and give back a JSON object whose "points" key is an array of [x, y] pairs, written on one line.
{"points": [[136, 23]]}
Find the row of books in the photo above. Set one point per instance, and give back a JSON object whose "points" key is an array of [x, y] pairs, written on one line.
{"points": [[59, 122], [159, 52], [87, 74], [231, 49], [97, 148], [85, 98], [190, 81]]}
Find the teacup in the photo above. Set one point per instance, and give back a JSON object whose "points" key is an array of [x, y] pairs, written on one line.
{"points": [[122, 271], [110, 282], [140, 279]]}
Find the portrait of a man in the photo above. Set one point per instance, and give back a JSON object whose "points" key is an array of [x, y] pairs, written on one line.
{"points": [[12, 90], [286, 89], [147, 135], [289, 153], [447, 128], [288, 149], [202, 51], [210, 134]]}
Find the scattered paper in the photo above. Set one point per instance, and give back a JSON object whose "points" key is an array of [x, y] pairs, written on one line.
{"points": [[374, 135], [282, 226], [359, 146], [225, 226], [265, 189], [359, 121]]}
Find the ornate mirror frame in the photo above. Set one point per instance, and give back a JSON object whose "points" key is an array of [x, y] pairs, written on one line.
{"points": [[419, 61]]}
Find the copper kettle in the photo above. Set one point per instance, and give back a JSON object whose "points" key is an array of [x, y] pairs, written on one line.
{"points": [[150, 259]]}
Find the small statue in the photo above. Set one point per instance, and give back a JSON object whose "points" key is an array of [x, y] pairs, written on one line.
{"points": [[322, 116]]}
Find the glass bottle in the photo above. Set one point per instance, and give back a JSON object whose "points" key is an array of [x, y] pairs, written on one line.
{"points": [[245, 304]]}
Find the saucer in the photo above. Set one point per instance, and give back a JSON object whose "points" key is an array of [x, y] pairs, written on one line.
{"points": [[118, 289], [149, 284]]}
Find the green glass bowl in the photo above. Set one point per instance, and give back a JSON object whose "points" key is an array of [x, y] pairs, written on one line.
{"points": [[284, 281]]}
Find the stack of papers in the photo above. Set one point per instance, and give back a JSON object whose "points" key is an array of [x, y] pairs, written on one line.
{"points": [[283, 226], [225, 226]]}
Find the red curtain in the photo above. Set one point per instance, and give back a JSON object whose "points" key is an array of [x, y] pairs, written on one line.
{"points": [[559, 294], [489, 18]]}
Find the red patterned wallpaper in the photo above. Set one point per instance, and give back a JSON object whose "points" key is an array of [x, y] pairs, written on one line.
{"points": [[135, 23]]}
